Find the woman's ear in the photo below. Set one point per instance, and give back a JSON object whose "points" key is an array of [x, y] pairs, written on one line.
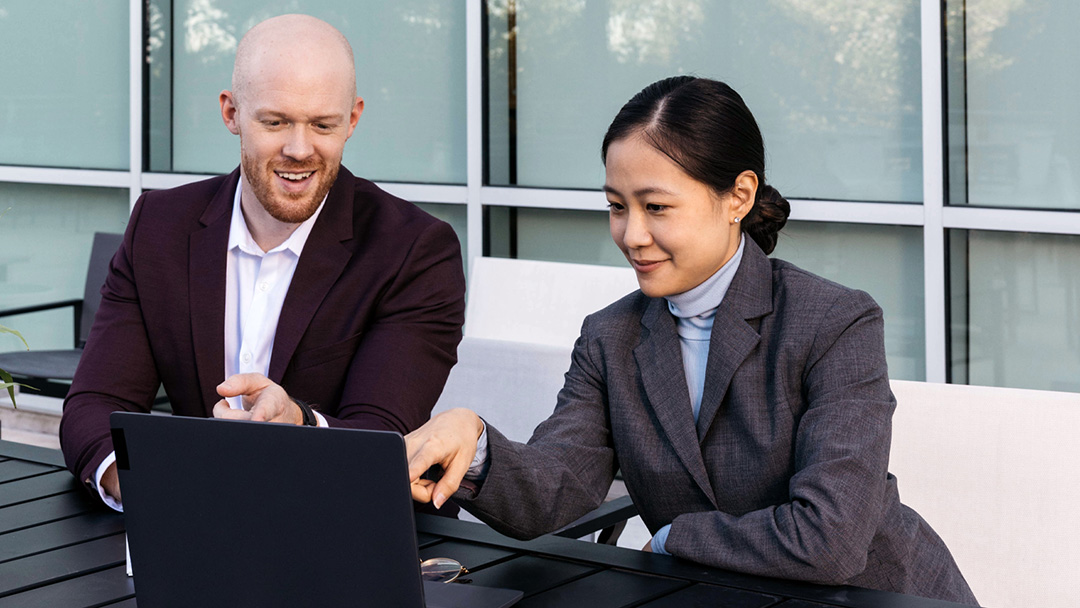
{"points": [[743, 194]]}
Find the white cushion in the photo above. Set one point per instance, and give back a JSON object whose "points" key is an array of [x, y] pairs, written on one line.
{"points": [[995, 472]]}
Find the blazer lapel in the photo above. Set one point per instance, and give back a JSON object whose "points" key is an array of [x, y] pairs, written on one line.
{"points": [[733, 338], [321, 263], [659, 361], [207, 256]]}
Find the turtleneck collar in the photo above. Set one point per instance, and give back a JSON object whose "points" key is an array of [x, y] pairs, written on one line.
{"points": [[701, 301]]}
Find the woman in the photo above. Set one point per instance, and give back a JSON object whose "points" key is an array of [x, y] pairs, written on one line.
{"points": [[746, 401]]}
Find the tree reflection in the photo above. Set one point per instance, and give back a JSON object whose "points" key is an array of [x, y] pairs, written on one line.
{"points": [[207, 31]]}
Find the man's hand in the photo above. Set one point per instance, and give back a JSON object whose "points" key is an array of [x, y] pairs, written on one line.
{"points": [[448, 439], [648, 547], [110, 482], [263, 400]]}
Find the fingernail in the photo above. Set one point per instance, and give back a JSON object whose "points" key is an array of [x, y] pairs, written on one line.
{"points": [[439, 500]]}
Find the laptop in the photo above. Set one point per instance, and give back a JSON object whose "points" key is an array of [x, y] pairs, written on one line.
{"points": [[227, 513]]}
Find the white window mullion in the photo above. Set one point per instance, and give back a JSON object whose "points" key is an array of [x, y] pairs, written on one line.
{"points": [[933, 144], [474, 113], [135, 129]]}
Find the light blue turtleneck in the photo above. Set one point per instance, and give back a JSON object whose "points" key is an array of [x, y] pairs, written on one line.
{"points": [[694, 311]]}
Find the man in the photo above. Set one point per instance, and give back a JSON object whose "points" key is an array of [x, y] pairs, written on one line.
{"points": [[291, 279]]}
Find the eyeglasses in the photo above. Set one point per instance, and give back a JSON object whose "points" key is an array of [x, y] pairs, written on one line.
{"points": [[441, 569]]}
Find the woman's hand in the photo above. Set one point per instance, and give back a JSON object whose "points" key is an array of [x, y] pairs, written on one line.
{"points": [[448, 439]]}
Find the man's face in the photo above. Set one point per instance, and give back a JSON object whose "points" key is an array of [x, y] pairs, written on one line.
{"points": [[293, 126]]}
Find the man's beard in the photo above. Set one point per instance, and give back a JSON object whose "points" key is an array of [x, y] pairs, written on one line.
{"points": [[283, 206]]}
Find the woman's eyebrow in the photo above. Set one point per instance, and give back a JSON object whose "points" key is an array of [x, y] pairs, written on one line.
{"points": [[641, 191]]}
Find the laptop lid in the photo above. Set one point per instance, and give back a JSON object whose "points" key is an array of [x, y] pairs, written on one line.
{"points": [[226, 513]]}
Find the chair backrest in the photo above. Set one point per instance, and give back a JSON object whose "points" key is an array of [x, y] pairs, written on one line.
{"points": [[512, 385], [101, 253], [996, 472], [539, 302]]}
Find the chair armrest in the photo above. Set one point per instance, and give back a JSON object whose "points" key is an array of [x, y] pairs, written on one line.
{"points": [[40, 307], [607, 515]]}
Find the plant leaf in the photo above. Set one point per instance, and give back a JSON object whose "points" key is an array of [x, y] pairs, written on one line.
{"points": [[9, 384], [8, 330]]}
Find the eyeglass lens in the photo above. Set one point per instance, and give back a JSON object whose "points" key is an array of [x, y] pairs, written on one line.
{"points": [[441, 569]]}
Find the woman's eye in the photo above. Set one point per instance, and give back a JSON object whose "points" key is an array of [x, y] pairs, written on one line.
{"points": [[614, 207], [654, 208]]}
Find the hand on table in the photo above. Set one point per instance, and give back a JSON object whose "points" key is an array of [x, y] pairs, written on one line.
{"points": [[263, 400], [448, 439]]}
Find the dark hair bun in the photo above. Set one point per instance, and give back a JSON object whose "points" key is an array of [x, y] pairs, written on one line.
{"points": [[767, 217]]}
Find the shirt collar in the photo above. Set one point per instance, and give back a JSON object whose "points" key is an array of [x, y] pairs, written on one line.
{"points": [[706, 297], [240, 236]]}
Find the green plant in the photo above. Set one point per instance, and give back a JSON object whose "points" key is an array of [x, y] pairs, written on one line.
{"points": [[6, 381]]}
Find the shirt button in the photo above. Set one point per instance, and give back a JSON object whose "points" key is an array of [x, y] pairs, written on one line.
{"points": [[264, 286], [246, 358]]}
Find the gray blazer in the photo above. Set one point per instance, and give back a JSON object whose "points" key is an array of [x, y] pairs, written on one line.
{"points": [[785, 473]]}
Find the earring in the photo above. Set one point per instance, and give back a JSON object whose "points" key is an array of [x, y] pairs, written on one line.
{"points": [[737, 220]]}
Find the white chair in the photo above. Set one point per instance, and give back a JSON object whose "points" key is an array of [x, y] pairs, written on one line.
{"points": [[521, 321], [995, 472]]}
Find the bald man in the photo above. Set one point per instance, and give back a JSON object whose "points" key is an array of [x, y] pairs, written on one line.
{"points": [[288, 291]]}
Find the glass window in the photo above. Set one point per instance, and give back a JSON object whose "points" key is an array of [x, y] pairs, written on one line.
{"points": [[46, 234], [553, 235], [834, 84], [1014, 133], [1015, 309], [884, 261], [64, 99], [410, 68]]}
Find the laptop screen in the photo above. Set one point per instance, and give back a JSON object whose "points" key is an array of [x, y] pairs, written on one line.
{"points": [[226, 513]]}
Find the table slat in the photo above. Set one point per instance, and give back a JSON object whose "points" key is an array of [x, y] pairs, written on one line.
{"points": [[471, 556], [10, 470], [94, 589], [33, 453], [46, 537], [36, 487], [606, 589], [530, 574], [55, 566], [712, 595], [45, 510]]}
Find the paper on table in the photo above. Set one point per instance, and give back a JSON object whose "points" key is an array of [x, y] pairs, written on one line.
{"points": [[127, 558]]}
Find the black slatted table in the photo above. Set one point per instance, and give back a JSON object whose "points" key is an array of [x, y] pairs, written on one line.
{"points": [[59, 548]]}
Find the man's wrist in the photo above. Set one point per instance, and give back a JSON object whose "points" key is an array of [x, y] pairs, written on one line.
{"points": [[306, 412]]}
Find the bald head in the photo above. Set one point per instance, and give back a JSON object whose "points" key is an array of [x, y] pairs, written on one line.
{"points": [[301, 45]]}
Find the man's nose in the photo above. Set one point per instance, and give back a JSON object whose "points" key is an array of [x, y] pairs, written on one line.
{"points": [[298, 143]]}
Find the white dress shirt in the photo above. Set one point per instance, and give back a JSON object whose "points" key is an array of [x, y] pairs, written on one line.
{"points": [[256, 283]]}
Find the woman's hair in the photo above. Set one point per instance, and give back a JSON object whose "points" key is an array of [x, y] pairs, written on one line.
{"points": [[705, 128]]}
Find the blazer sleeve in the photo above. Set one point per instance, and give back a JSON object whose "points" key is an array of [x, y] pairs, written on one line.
{"points": [[406, 353], [566, 468], [116, 370], [837, 493]]}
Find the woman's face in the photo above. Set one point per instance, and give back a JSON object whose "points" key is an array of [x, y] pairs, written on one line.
{"points": [[675, 231]]}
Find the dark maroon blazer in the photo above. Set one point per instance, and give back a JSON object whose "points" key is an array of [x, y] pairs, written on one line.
{"points": [[368, 331]]}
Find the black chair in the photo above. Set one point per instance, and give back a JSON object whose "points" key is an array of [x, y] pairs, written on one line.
{"points": [[51, 371]]}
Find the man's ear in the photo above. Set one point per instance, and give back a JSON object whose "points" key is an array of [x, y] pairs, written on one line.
{"points": [[743, 194], [228, 112], [354, 115]]}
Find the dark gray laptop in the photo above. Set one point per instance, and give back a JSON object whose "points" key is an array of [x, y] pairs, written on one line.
{"points": [[225, 513]]}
